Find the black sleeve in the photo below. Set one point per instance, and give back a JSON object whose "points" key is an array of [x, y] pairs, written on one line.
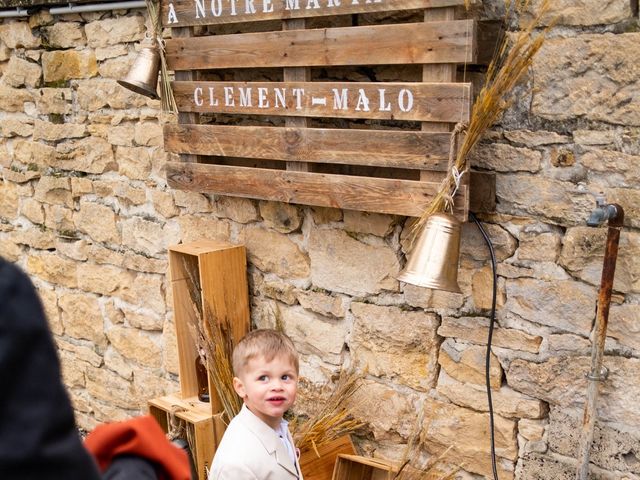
{"points": [[38, 436]]}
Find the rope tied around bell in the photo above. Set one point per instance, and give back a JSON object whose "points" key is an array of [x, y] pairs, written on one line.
{"points": [[451, 184], [166, 93]]}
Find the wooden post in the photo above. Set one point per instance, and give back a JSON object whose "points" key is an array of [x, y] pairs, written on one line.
{"points": [[440, 72], [186, 76], [296, 74]]}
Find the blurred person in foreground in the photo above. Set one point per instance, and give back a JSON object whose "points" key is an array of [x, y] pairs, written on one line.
{"points": [[38, 436]]}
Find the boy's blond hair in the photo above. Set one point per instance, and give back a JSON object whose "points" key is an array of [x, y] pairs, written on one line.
{"points": [[266, 343]]}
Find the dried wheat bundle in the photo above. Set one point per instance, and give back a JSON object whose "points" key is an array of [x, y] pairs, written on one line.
{"points": [[167, 99], [213, 340], [332, 419], [215, 336], [510, 62]]}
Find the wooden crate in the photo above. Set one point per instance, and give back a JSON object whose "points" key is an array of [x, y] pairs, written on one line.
{"points": [[319, 465], [203, 430], [247, 137], [221, 279], [355, 467]]}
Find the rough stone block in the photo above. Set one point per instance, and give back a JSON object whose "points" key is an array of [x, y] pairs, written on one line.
{"points": [[501, 157], [506, 401], [10, 201], [394, 410], [65, 35], [105, 230], [54, 190], [368, 223], [61, 65], [112, 31], [467, 364], [20, 72], [54, 132], [613, 448], [476, 329], [133, 162], [282, 217], [192, 202], [195, 227], [90, 155], [82, 318], [18, 35], [395, 344], [139, 346], [273, 252], [323, 303], [588, 76], [584, 12], [561, 381], [564, 305], [583, 252], [341, 263], [14, 99], [315, 334], [17, 126], [467, 433]]}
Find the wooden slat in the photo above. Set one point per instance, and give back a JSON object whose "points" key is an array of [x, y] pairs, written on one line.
{"points": [[180, 13], [390, 101], [380, 148], [411, 43], [401, 197]]}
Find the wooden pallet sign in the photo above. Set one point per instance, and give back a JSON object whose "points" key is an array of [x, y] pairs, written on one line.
{"points": [[289, 107]]}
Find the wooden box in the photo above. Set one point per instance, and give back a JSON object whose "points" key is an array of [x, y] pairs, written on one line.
{"points": [[203, 431], [216, 270], [355, 467], [318, 464]]}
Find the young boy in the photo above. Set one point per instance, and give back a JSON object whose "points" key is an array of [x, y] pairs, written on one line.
{"points": [[257, 444]]}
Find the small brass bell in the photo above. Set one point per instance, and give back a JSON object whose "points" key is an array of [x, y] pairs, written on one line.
{"points": [[143, 75], [434, 260]]}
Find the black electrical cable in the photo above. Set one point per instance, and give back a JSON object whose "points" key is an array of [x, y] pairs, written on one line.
{"points": [[490, 337]]}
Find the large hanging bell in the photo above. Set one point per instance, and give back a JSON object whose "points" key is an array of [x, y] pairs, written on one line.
{"points": [[433, 263], [143, 74]]}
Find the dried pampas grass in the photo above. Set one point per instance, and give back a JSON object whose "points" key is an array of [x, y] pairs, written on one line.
{"points": [[511, 61]]}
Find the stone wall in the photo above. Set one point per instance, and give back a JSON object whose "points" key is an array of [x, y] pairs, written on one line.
{"points": [[85, 210]]}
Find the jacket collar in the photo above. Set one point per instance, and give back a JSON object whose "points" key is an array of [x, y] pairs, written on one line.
{"points": [[269, 439]]}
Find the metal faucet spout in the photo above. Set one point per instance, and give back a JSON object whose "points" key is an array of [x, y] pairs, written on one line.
{"points": [[604, 212]]}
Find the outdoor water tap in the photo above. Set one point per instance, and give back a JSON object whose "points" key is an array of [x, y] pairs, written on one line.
{"points": [[604, 211]]}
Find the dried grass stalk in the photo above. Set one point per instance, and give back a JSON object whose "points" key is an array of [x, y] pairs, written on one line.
{"points": [[167, 99], [509, 64], [332, 420], [433, 469], [214, 342]]}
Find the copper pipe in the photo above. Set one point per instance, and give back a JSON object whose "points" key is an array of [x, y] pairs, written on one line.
{"points": [[614, 214]]}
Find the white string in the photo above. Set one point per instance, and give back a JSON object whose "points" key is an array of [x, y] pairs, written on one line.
{"points": [[457, 178]]}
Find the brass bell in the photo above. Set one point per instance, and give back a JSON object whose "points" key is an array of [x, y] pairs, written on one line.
{"points": [[143, 74], [434, 260]]}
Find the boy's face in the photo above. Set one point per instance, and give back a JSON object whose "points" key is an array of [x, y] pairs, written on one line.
{"points": [[268, 388]]}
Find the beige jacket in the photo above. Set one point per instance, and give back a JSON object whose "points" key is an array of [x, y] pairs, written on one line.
{"points": [[251, 450]]}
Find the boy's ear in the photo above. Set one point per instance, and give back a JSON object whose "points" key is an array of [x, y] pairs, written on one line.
{"points": [[238, 386]]}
